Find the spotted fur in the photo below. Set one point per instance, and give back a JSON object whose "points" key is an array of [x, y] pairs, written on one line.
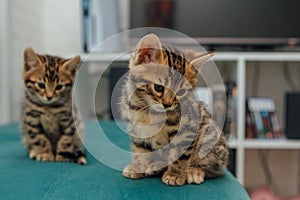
{"points": [[51, 126], [170, 131]]}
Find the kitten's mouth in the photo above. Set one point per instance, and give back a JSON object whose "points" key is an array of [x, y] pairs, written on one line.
{"points": [[161, 109], [172, 108], [158, 108], [47, 101]]}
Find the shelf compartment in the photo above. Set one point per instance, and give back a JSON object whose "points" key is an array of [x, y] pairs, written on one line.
{"points": [[280, 143]]}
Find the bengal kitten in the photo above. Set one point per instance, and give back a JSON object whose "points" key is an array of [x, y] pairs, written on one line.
{"points": [[51, 127], [157, 98]]}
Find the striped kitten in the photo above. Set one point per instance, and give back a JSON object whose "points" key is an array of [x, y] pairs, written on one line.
{"points": [[170, 131], [50, 125]]}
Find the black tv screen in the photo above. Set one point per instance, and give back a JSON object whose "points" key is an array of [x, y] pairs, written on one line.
{"points": [[223, 21]]}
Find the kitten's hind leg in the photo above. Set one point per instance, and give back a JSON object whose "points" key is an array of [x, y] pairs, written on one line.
{"points": [[214, 162]]}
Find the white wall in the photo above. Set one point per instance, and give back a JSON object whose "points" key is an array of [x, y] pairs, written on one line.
{"points": [[4, 63], [62, 27], [48, 26], [26, 30]]}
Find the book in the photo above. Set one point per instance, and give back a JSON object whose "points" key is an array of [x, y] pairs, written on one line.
{"points": [[261, 118], [249, 127]]}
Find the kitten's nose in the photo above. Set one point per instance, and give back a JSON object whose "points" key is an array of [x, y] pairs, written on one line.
{"points": [[49, 98], [166, 105]]}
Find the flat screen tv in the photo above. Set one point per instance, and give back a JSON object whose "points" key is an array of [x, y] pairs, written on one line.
{"points": [[224, 23]]}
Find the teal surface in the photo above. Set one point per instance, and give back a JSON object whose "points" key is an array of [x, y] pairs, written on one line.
{"points": [[22, 178]]}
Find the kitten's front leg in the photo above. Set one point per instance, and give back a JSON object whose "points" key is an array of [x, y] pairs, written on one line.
{"points": [[69, 150], [195, 175], [34, 139], [180, 150], [137, 168], [65, 149], [145, 163], [175, 174], [39, 147], [180, 172], [69, 146]]}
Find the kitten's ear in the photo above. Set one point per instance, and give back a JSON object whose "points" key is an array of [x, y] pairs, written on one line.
{"points": [[72, 65], [148, 50], [31, 60], [201, 59], [196, 61]]}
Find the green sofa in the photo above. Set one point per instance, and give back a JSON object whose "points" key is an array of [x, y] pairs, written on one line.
{"points": [[22, 178]]}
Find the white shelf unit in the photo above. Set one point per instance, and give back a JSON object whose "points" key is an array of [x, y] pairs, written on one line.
{"points": [[240, 143]]}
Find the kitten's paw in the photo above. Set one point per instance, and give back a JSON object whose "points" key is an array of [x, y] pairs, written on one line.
{"points": [[41, 156], [195, 175], [70, 157], [155, 168], [173, 178], [61, 158], [81, 160], [133, 172]]}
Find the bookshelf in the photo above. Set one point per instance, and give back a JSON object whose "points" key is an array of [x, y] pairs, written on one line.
{"points": [[241, 143], [241, 60]]}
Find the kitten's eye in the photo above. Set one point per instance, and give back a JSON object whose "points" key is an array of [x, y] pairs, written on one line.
{"points": [[41, 85], [180, 92], [58, 87], [158, 88]]}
